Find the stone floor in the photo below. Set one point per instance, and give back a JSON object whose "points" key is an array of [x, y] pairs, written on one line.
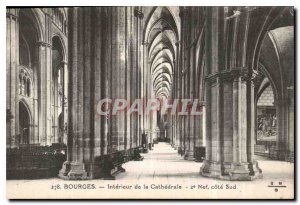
{"points": [[162, 174]]}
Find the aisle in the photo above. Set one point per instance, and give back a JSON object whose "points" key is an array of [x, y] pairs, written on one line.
{"points": [[162, 163]]}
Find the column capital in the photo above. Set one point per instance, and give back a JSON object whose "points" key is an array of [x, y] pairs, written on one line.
{"points": [[229, 75], [13, 16], [12, 13], [45, 44]]}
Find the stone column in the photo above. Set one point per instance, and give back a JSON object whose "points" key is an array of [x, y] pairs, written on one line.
{"points": [[181, 118], [203, 125], [44, 100], [144, 92], [81, 156], [98, 50], [173, 96], [128, 74], [36, 96], [136, 74], [291, 125], [229, 141], [199, 95], [118, 76], [189, 153], [176, 86], [229, 110], [281, 144], [54, 105], [251, 123], [139, 61], [198, 120], [144, 65], [12, 62], [64, 100], [173, 132], [185, 123], [133, 68], [189, 94], [177, 80], [76, 32], [184, 69], [186, 118]]}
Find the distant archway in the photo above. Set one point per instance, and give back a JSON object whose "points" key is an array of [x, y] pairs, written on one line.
{"points": [[266, 120], [276, 62], [24, 124], [58, 95]]}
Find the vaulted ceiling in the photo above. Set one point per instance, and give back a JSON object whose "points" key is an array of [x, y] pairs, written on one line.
{"points": [[161, 34]]}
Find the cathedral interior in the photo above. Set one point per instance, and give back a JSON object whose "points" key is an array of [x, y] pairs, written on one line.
{"points": [[236, 62]]}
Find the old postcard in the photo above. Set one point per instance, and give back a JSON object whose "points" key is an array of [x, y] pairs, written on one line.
{"points": [[158, 102]]}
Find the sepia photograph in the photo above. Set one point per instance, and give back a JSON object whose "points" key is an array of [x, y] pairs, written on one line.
{"points": [[150, 102]]}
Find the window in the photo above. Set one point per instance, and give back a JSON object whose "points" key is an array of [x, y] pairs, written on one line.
{"points": [[24, 58], [28, 86]]}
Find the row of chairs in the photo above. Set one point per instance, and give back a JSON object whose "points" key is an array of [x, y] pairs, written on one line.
{"points": [[34, 161]]}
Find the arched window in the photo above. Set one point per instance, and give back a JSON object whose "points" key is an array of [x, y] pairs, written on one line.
{"points": [[20, 84], [28, 87], [266, 120], [24, 86], [24, 57], [24, 124]]}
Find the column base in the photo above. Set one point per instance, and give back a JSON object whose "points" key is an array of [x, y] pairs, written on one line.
{"points": [[76, 171], [230, 171], [189, 155]]}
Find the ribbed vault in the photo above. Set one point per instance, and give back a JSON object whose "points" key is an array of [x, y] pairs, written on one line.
{"points": [[161, 34]]}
